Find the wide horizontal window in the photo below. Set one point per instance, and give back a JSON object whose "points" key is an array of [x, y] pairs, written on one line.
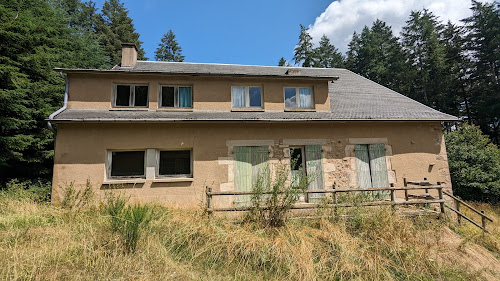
{"points": [[127, 164], [246, 96], [176, 163], [131, 95], [176, 96], [298, 97]]}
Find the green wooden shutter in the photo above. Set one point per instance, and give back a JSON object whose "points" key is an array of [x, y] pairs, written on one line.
{"points": [[363, 165], [250, 162], [378, 165], [243, 173], [260, 157], [314, 169]]}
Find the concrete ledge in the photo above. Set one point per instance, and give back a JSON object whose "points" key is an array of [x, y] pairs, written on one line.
{"points": [[173, 180], [124, 181]]}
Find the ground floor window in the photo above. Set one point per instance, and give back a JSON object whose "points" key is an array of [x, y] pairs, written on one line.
{"points": [[127, 164], [175, 163], [371, 166], [306, 160], [250, 164]]}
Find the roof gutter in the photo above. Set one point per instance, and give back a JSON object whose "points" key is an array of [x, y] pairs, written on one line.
{"points": [[65, 103]]}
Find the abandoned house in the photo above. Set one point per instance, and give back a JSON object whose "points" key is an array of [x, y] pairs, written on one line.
{"points": [[164, 131]]}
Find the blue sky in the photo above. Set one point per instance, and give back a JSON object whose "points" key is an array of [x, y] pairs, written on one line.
{"points": [[260, 32], [255, 32]]}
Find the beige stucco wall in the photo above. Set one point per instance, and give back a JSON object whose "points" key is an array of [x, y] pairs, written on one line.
{"points": [[209, 92], [414, 150]]}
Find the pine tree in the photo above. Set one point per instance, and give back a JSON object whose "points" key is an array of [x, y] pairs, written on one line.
{"points": [[283, 62], [36, 38], [113, 27], [169, 49], [303, 52], [377, 55], [326, 55], [421, 39], [483, 43]]}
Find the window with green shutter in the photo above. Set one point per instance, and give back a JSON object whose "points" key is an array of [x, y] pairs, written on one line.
{"points": [[371, 166], [307, 159], [250, 162]]}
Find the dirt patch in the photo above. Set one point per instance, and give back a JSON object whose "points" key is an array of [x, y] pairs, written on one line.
{"points": [[453, 249]]}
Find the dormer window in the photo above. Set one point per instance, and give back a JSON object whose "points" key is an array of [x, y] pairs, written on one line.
{"points": [[176, 96], [298, 97], [126, 95], [246, 96]]}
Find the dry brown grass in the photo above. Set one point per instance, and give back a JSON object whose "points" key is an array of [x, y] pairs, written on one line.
{"points": [[40, 242]]}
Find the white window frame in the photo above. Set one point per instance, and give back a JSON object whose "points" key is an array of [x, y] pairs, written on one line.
{"points": [[157, 165], [247, 96], [131, 97], [109, 163], [176, 96], [297, 97]]}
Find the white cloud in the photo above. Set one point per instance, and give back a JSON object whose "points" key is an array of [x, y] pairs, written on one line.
{"points": [[341, 18]]}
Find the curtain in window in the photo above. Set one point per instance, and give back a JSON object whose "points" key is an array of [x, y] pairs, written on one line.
{"points": [[185, 97], [305, 97], [238, 96], [314, 170]]}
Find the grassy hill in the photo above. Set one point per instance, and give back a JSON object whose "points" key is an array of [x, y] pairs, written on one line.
{"points": [[39, 241]]}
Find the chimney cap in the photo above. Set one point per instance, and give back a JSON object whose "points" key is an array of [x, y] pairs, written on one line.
{"points": [[125, 44]]}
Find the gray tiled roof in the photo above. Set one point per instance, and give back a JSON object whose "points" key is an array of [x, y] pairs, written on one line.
{"points": [[352, 97], [215, 69]]}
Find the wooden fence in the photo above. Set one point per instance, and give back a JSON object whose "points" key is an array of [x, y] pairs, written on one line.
{"points": [[335, 204]]}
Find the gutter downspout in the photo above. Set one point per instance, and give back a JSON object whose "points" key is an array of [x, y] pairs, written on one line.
{"points": [[65, 104]]}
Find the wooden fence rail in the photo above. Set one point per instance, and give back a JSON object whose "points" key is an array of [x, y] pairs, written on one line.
{"points": [[210, 194], [460, 215]]}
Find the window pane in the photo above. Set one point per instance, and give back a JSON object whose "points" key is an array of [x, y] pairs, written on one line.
{"points": [[167, 96], [122, 95], [127, 163], [255, 96], [290, 97], [238, 96], [176, 162], [296, 159], [141, 96], [305, 97], [185, 97]]}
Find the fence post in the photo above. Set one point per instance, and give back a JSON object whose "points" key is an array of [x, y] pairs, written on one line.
{"points": [[457, 206], [441, 204], [393, 199], [334, 201], [406, 191], [209, 199], [483, 221]]}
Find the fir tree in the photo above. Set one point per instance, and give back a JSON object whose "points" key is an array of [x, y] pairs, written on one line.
{"points": [[377, 55], [326, 55], [169, 49], [113, 27], [421, 39], [304, 53], [483, 43]]}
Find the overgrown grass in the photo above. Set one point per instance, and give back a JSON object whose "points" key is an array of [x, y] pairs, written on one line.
{"points": [[39, 242]]}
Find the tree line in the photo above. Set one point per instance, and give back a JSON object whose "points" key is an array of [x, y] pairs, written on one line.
{"points": [[36, 36], [453, 68]]}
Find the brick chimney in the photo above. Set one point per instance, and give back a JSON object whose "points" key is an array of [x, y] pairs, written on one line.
{"points": [[129, 54]]}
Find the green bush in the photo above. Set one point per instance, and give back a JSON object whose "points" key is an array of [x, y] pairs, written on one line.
{"points": [[129, 222], [80, 199], [37, 191], [474, 165]]}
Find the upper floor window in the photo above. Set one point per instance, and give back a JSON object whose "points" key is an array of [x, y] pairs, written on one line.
{"points": [[298, 97], [246, 96], [131, 95], [176, 96]]}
